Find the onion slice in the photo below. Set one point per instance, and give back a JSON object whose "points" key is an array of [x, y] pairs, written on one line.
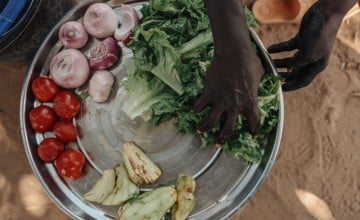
{"points": [[128, 20], [104, 54]]}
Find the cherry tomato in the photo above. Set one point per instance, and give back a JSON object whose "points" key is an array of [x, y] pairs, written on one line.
{"points": [[66, 104], [65, 131], [69, 164], [49, 149], [44, 89], [42, 118]]}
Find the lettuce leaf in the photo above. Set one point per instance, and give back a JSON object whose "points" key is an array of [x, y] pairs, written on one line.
{"points": [[173, 47]]}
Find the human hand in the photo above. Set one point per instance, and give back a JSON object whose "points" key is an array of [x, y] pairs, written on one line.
{"points": [[233, 78], [314, 42], [231, 87]]}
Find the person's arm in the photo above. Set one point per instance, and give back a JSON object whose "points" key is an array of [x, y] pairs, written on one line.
{"points": [[233, 78], [314, 43], [332, 7], [228, 25]]}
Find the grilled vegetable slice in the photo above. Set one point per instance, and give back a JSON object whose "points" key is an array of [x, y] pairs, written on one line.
{"points": [[185, 186], [151, 205], [141, 169], [103, 187], [185, 183], [124, 188]]}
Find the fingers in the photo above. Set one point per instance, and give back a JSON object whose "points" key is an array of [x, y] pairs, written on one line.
{"points": [[253, 119], [201, 103], [297, 83], [300, 59], [289, 75], [229, 124], [303, 76], [283, 63], [211, 120], [228, 128], [283, 46], [291, 62]]}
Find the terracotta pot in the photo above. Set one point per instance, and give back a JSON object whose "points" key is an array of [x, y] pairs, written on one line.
{"points": [[280, 11]]}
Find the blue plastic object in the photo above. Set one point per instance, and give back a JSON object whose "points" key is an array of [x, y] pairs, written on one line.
{"points": [[3, 3], [10, 13]]}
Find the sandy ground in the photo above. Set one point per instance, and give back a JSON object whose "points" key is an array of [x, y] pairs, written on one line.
{"points": [[316, 174]]}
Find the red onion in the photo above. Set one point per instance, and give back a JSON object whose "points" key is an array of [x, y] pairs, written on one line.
{"points": [[100, 85], [69, 68], [128, 19], [104, 54], [100, 20], [72, 34]]}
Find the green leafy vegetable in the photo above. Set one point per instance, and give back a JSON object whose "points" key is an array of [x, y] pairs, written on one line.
{"points": [[143, 94], [173, 47]]}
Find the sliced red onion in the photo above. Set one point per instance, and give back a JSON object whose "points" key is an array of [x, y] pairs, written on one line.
{"points": [[128, 20], [69, 69], [100, 20], [72, 34], [104, 54], [100, 85]]}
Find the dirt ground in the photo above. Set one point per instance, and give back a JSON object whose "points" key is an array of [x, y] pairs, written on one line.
{"points": [[316, 174]]}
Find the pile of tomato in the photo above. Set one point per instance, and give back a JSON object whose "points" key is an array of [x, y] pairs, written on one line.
{"points": [[55, 115]]}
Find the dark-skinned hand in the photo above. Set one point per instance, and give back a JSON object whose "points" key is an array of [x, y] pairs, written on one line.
{"points": [[233, 78], [231, 86], [314, 43]]}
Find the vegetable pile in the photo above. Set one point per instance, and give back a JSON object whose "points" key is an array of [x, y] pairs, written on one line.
{"points": [[173, 47], [120, 186], [54, 117], [70, 69]]}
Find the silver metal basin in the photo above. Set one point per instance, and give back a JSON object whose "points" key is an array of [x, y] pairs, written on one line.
{"points": [[224, 184]]}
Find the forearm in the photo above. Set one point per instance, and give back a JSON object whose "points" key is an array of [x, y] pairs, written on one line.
{"points": [[333, 12], [336, 7], [228, 24]]}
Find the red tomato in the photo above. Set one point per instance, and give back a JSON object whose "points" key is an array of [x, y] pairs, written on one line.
{"points": [[69, 164], [49, 149], [42, 118], [65, 131], [44, 89], [66, 104]]}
